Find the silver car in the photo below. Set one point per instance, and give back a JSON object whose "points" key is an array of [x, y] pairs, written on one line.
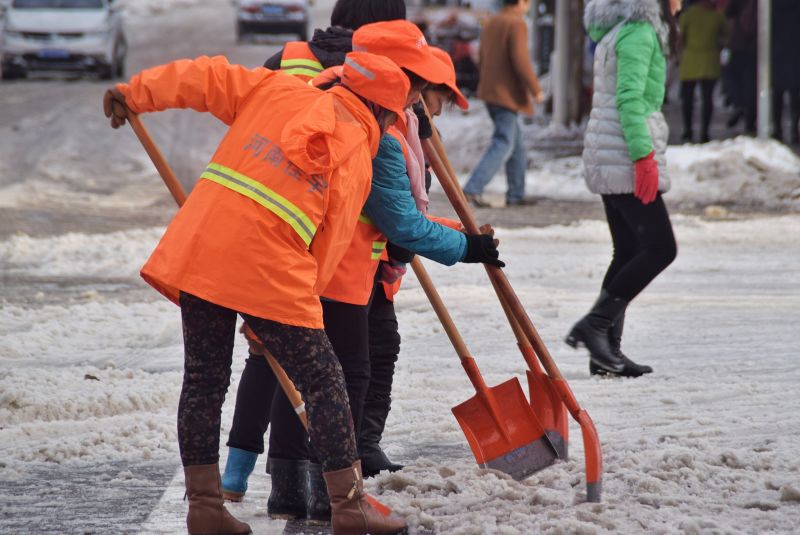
{"points": [[271, 17], [64, 35]]}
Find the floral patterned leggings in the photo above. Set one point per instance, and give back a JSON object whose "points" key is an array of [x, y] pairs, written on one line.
{"points": [[305, 354]]}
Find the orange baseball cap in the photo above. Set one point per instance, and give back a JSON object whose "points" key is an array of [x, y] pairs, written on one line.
{"points": [[445, 58], [402, 42], [377, 79]]}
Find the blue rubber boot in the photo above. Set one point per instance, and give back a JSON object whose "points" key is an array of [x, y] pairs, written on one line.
{"points": [[238, 468]]}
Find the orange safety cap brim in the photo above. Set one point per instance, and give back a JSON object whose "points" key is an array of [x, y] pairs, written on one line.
{"points": [[445, 58], [402, 42], [376, 79]]}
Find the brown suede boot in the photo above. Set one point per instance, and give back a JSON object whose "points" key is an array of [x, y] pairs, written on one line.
{"points": [[207, 514], [351, 514]]}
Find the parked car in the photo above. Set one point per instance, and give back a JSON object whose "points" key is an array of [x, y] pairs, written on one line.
{"points": [[271, 17], [64, 35]]}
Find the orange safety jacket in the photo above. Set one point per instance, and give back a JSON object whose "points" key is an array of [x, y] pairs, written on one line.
{"points": [[355, 277], [275, 209], [297, 59]]}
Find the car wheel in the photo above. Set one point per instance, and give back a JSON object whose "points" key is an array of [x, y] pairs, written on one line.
{"points": [[240, 33], [106, 72], [120, 72], [13, 73]]}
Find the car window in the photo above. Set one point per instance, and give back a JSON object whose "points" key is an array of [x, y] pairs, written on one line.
{"points": [[59, 4]]}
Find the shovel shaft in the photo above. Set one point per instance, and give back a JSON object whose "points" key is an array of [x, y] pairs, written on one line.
{"points": [[449, 326], [518, 318]]}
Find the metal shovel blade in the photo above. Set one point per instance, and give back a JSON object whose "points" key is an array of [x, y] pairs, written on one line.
{"points": [[503, 431]]}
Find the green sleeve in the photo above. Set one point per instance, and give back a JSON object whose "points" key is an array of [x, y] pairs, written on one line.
{"points": [[635, 47]]}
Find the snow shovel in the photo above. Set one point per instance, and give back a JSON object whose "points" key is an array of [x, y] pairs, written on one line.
{"points": [[544, 398], [500, 426], [593, 453], [179, 195]]}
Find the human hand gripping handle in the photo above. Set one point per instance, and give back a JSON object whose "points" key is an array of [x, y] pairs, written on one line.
{"points": [[114, 107], [482, 248], [645, 178]]}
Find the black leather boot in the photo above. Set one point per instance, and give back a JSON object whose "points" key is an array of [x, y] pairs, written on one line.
{"points": [[615, 340], [373, 421], [287, 497], [318, 503], [592, 332]]}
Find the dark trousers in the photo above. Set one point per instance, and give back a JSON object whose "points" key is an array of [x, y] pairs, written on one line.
{"points": [[306, 355], [384, 348], [706, 106], [259, 402], [644, 244], [794, 112]]}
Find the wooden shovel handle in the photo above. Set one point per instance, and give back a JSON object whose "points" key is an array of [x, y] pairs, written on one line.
{"points": [[179, 195], [437, 157], [449, 326]]}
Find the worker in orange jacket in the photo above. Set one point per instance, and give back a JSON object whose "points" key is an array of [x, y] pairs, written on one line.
{"points": [[264, 228], [347, 296]]}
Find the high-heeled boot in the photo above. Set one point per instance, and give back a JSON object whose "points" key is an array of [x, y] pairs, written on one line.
{"points": [[592, 332]]}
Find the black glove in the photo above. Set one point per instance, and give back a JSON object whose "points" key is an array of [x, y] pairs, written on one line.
{"points": [[401, 254], [425, 131], [481, 248]]}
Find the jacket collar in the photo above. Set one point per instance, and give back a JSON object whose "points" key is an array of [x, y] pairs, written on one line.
{"points": [[600, 16]]}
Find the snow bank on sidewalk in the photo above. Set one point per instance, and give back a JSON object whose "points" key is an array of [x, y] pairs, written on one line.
{"points": [[741, 171]]}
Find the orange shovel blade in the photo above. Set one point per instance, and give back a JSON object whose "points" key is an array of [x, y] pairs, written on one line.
{"points": [[503, 431], [547, 405]]}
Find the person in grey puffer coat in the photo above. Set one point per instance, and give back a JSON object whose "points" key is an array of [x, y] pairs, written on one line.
{"points": [[624, 163]]}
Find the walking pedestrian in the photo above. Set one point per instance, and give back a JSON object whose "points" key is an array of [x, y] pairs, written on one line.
{"points": [[623, 155], [506, 84], [742, 18], [703, 33], [266, 225], [786, 66]]}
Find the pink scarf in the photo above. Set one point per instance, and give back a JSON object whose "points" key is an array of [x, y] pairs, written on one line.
{"points": [[415, 166]]}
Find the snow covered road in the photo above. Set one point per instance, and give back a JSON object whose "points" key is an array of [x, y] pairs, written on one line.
{"points": [[708, 443]]}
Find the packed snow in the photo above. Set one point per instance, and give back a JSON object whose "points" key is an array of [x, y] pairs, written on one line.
{"points": [[706, 443]]}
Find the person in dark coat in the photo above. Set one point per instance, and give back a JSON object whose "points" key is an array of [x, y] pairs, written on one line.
{"points": [[786, 66], [741, 70]]}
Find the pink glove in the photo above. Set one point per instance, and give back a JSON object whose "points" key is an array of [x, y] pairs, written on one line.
{"points": [[645, 178], [391, 271]]}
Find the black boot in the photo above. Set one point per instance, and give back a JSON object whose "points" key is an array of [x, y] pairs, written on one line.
{"points": [[318, 503], [615, 340], [592, 331], [373, 421], [287, 498]]}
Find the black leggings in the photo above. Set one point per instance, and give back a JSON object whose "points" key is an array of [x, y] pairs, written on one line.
{"points": [[305, 354], [706, 107], [644, 244], [259, 402]]}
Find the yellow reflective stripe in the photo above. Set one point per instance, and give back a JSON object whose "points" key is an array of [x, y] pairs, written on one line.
{"points": [[264, 196], [299, 62], [362, 218], [301, 71], [377, 249]]}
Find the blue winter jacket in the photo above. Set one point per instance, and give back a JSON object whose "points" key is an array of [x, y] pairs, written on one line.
{"points": [[391, 207]]}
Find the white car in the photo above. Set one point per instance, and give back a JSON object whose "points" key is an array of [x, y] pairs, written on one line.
{"points": [[271, 17], [65, 35]]}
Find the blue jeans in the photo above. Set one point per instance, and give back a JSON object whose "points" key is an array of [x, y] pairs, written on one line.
{"points": [[506, 147]]}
